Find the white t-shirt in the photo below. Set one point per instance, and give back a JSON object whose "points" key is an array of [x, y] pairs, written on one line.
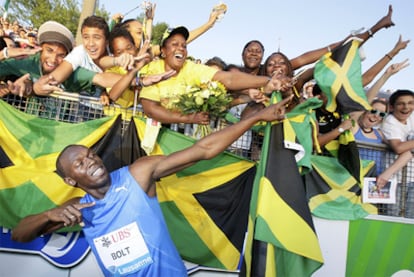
{"points": [[394, 129], [78, 57]]}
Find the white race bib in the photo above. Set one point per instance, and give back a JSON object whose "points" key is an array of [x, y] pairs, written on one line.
{"points": [[124, 250]]}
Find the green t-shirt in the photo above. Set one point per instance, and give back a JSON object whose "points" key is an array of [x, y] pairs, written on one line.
{"points": [[79, 80]]}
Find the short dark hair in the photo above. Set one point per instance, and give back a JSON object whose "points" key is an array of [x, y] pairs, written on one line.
{"points": [[288, 63], [254, 41], [216, 61], [99, 22], [117, 33], [399, 93], [59, 167]]}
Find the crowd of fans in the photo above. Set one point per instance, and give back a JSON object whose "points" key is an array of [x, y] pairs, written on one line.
{"points": [[117, 64]]}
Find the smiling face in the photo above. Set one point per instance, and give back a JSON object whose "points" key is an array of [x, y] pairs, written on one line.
{"points": [[278, 65], [174, 52], [252, 56], [403, 107], [84, 169], [136, 31], [121, 45], [94, 41], [51, 56], [373, 117]]}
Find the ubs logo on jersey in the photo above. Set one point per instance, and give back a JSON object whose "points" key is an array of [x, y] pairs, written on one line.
{"points": [[61, 249]]}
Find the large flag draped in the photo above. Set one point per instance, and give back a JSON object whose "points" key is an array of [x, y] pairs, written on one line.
{"points": [[29, 147], [206, 205], [338, 74], [281, 236]]}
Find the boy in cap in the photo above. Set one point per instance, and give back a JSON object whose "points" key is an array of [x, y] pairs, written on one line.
{"points": [[56, 41]]}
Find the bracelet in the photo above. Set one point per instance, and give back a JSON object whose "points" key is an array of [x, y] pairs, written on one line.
{"points": [[6, 53], [370, 33], [137, 79], [388, 56]]}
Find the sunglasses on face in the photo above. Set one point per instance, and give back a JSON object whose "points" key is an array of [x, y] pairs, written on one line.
{"points": [[381, 114]]}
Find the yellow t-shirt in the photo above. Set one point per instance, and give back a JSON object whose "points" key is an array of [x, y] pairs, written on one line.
{"points": [[126, 99], [167, 91]]}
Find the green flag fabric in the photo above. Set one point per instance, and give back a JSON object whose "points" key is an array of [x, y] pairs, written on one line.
{"points": [[206, 205], [29, 147], [333, 192], [338, 74], [281, 237]]}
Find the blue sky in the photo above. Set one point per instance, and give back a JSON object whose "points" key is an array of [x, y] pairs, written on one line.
{"points": [[296, 26]]}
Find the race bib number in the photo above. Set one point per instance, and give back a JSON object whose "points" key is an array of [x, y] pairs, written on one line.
{"points": [[124, 250]]}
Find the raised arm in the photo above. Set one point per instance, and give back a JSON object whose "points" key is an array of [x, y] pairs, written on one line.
{"points": [[391, 70], [195, 33], [313, 55], [373, 71], [399, 163]]}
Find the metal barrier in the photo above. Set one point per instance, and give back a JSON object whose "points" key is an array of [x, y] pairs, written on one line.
{"points": [[72, 107]]}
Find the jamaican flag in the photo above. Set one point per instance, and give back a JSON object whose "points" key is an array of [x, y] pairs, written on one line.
{"points": [[206, 205], [29, 147], [338, 74], [281, 237], [333, 192]]}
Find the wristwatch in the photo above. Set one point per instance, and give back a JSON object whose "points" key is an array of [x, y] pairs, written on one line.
{"points": [[341, 130]]}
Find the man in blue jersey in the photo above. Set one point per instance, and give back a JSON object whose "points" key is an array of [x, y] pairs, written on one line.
{"points": [[120, 214]]}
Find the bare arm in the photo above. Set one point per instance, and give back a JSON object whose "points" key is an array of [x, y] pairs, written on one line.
{"points": [[324, 139], [391, 70], [147, 171], [373, 71], [237, 81], [51, 220], [16, 52], [155, 111], [205, 27], [313, 55], [400, 147], [399, 163]]}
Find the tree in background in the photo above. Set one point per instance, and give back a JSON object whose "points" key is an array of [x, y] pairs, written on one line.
{"points": [[36, 12]]}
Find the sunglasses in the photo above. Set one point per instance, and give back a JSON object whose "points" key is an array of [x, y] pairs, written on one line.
{"points": [[381, 114]]}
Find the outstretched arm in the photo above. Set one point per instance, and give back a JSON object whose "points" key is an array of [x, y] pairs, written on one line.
{"points": [[373, 71], [399, 163], [51, 220], [210, 146], [313, 55], [391, 70], [214, 15]]}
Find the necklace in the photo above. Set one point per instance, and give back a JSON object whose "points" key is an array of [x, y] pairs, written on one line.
{"points": [[370, 130]]}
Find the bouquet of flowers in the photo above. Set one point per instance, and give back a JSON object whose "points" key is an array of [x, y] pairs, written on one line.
{"points": [[207, 96]]}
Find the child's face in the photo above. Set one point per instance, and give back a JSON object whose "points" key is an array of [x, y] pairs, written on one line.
{"points": [[123, 45], [94, 41], [403, 107]]}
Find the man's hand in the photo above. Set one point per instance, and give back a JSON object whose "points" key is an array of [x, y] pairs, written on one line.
{"points": [[69, 215], [46, 85], [22, 86], [275, 111]]}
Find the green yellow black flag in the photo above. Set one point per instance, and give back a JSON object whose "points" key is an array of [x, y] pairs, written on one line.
{"points": [[206, 205], [338, 74], [29, 147], [281, 237]]}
